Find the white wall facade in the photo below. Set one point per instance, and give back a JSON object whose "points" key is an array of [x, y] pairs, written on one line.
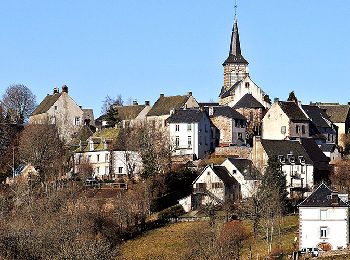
{"points": [[298, 175], [126, 162], [193, 138], [99, 160], [335, 220]]}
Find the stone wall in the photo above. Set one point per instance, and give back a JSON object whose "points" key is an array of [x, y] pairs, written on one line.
{"points": [[234, 151]]}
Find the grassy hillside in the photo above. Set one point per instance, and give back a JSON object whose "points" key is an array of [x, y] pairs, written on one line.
{"points": [[172, 241]]}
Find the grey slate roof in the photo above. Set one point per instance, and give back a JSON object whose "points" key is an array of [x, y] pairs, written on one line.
{"points": [[293, 111], [321, 197], [187, 116], [248, 101], [46, 104], [225, 111], [164, 104], [337, 113], [317, 115], [227, 93], [320, 160], [285, 147], [246, 168], [328, 148], [208, 104], [235, 55], [224, 175]]}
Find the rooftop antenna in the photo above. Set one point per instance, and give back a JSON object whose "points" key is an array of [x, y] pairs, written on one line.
{"points": [[235, 6]]}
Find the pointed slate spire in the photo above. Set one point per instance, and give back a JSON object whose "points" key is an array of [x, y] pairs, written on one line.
{"points": [[235, 55]]}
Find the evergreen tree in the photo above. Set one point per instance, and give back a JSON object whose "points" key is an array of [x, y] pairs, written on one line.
{"points": [[292, 97], [112, 116], [274, 186]]}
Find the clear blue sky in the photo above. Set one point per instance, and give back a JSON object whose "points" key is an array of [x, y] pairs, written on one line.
{"points": [[142, 48]]}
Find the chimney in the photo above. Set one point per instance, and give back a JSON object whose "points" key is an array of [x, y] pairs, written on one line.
{"points": [[161, 95], [172, 111], [211, 111], [55, 91], [276, 100], [147, 103], [134, 103], [65, 89], [189, 93]]}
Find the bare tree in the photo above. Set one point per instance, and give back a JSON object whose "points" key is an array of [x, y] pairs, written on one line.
{"points": [[41, 146], [18, 102], [340, 176], [109, 101]]}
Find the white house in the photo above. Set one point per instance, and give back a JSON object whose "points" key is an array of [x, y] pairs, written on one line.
{"points": [[190, 133], [106, 164], [248, 177], [214, 186], [324, 220]]}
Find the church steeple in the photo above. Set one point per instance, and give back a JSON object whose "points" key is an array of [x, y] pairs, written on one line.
{"points": [[235, 56]]}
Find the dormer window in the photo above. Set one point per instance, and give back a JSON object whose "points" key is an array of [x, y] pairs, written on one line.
{"points": [[301, 159], [91, 146], [291, 158], [282, 159], [77, 120]]}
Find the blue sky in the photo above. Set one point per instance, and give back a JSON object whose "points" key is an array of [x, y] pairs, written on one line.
{"points": [[142, 48]]}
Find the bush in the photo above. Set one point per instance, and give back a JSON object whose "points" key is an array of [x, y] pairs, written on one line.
{"points": [[172, 212]]}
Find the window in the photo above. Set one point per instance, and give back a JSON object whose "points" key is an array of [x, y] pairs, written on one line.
{"points": [[189, 141], [177, 141], [189, 127], [234, 171], [283, 129], [240, 136], [89, 158], [77, 120], [323, 214], [251, 116], [98, 157], [303, 129], [177, 128], [120, 169], [217, 185], [297, 129], [97, 170], [106, 157], [107, 170], [323, 232], [56, 108]]}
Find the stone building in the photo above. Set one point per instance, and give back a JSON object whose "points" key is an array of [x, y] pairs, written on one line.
{"points": [[231, 125], [237, 81], [61, 110], [166, 105]]}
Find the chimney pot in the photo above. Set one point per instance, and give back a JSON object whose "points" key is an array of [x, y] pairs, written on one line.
{"points": [[147, 103], [161, 95], [65, 89], [189, 93], [134, 103], [276, 100], [55, 90]]}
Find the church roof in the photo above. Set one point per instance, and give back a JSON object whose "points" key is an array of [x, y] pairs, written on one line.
{"points": [[227, 93], [235, 56], [248, 101]]}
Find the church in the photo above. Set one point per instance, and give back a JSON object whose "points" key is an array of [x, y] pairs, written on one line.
{"points": [[237, 82], [240, 91]]}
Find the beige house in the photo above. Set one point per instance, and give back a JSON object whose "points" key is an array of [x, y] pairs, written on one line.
{"points": [[23, 174], [285, 120], [165, 106], [61, 110]]}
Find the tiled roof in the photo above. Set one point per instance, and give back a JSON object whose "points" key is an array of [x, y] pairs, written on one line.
{"points": [[246, 168], [315, 153], [164, 104], [337, 113], [208, 104], [46, 104], [225, 111], [129, 112], [285, 147], [248, 101], [321, 197], [292, 110], [187, 116]]}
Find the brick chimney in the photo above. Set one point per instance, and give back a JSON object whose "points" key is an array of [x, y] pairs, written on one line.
{"points": [[161, 95], [147, 103]]}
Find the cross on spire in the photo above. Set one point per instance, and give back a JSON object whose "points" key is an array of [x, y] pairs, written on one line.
{"points": [[235, 6]]}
